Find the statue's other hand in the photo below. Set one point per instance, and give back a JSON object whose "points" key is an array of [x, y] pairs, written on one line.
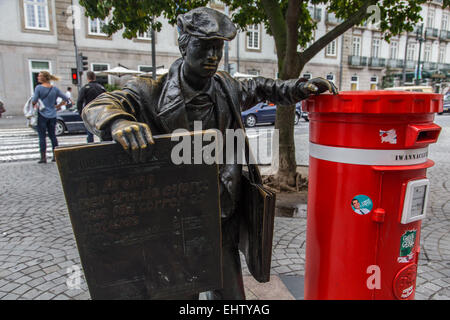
{"points": [[318, 86], [135, 137]]}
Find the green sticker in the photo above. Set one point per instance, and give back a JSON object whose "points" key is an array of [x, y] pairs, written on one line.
{"points": [[407, 243]]}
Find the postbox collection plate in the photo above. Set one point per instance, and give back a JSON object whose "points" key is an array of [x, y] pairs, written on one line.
{"points": [[415, 201]]}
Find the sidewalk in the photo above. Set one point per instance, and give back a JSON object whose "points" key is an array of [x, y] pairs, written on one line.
{"points": [[37, 245], [10, 122]]}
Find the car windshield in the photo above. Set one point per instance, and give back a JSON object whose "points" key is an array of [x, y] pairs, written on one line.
{"points": [[447, 97]]}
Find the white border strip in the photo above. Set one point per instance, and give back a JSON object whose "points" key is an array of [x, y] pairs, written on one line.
{"points": [[369, 156]]}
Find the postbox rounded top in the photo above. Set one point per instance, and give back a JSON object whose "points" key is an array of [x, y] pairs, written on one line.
{"points": [[375, 102]]}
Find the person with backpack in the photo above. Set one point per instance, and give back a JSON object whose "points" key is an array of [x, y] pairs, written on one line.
{"points": [[88, 93], [44, 99]]}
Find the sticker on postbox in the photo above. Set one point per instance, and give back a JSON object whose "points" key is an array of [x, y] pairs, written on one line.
{"points": [[405, 282], [362, 204], [407, 244], [388, 136]]}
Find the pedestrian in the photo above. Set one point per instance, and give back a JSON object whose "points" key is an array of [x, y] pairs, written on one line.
{"points": [[69, 95], [46, 94], [193, 90], [2, 107], [88, 93]]}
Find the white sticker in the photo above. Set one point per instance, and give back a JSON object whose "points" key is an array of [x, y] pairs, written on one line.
{"points": [[389, 136], [407, 292]]}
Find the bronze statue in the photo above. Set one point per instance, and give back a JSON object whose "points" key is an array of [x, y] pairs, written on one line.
{"points": [[193, 90]]}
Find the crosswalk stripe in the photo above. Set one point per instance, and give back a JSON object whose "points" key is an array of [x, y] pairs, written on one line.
{"points": [[23, 144]]}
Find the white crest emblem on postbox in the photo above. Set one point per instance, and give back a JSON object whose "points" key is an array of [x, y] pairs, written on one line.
{"points": [[389, 136]]}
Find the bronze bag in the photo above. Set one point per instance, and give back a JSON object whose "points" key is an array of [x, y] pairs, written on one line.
{"points": [[257, 214], [256, 227]]}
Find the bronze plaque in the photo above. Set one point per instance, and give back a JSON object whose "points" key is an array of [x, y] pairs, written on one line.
{"points": [[144, 230]]}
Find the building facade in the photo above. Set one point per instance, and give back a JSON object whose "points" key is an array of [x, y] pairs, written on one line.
{"points": [[41, 35]]}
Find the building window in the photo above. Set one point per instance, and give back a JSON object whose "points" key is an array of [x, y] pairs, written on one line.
{"points": [[430, 18], [315, 13], [354, 83], [253, 37], [95, 27], [356, 46], [410, 52], [331, 49], [36, 14], [375, 48], [37, 66], [444, 25], [427, 52], [374, 83], [147, 35], [97, 67], [441, 58], [253, 72], [393, 50]]}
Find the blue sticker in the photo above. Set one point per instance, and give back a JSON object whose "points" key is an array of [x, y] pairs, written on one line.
{"points": [[362, 204]]}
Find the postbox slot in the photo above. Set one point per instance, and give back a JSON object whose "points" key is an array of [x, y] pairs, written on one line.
{"points": [[427, 136], [421, 135]]}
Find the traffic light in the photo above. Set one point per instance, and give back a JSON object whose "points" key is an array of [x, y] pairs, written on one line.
{"points": [[82, 63], [74, 76]]}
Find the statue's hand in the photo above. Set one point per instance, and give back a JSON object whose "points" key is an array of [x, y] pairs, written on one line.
{"points": [[134, 137], [317, 86]]}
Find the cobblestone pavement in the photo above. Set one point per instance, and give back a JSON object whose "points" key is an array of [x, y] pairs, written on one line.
{"points": [[37, 244]]}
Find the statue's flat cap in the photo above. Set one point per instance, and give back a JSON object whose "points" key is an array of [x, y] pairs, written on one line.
{"points": [[206, 23]]}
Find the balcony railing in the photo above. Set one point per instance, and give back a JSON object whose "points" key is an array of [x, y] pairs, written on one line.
{"points": [[395, 63], [357, 61], [432, 32], [377, 62]]}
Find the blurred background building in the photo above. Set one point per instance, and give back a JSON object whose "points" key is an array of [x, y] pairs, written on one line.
{"points": [[39, 35]]}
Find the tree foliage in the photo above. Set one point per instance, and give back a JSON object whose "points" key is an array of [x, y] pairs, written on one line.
{"points": [[135, 16]]}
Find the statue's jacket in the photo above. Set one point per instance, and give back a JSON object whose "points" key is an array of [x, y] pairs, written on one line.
{"points": [[160, 104]]}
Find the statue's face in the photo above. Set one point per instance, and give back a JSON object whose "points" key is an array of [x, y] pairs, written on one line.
{"points": [[202, 57]]}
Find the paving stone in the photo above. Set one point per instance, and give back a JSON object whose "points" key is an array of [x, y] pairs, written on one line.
{"points": [[432, 287], [10, 296], [23, 279], [45, 296], [22, 289], [9, 287]]}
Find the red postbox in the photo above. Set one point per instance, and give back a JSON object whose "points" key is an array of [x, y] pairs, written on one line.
{"points": [[367, 192]]}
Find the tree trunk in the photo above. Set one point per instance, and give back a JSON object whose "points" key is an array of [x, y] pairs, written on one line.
{"points": [[287, 165]]}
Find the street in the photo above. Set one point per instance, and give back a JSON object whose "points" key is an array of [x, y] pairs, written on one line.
{"points": [[39, 257]]}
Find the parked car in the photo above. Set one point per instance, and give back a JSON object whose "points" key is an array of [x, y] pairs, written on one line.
{"points": [[266, 113], [69, 121], [446, 103]]}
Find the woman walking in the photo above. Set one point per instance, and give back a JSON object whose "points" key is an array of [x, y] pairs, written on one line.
{"points": [[47, 113]]}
